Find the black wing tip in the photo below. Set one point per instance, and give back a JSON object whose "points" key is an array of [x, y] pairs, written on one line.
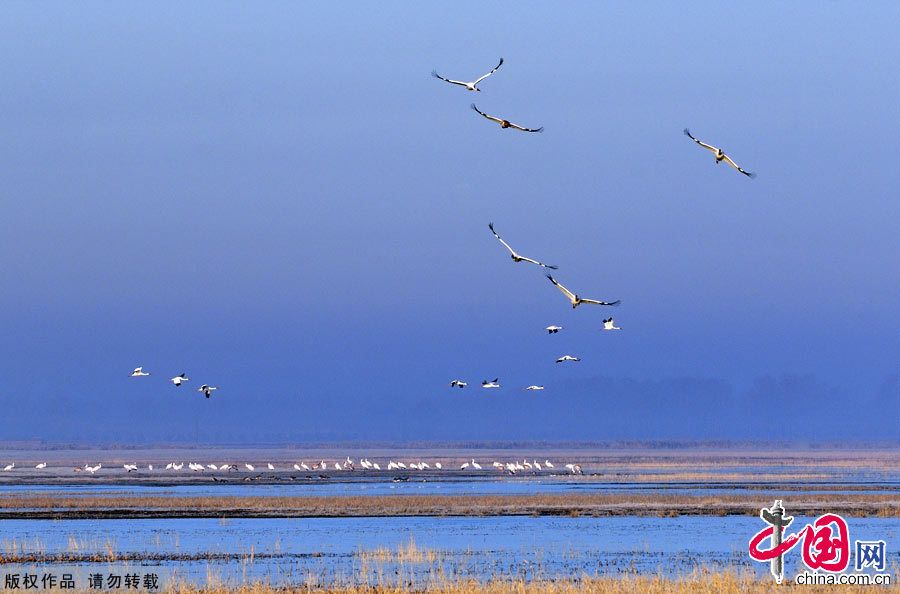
{"points": [[551, 266], [551, 278], [749, 174], [475, 108], [688, 133], [491, 225], [435, 74], [501, 63], [616, 303]]}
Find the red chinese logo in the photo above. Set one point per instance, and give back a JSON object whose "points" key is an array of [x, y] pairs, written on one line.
{"points": [[826, 544]]}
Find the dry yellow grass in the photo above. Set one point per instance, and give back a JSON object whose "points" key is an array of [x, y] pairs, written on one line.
{"points": [[699, 583]]}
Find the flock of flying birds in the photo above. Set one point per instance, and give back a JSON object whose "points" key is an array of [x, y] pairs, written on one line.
{"points": [[574, 299], [206, 389]]}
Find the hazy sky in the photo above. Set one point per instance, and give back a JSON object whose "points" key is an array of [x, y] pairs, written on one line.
{"points": [[278, 199]]}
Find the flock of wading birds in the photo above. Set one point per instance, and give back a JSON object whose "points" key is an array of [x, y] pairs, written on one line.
{"points": [[347, 465], [574, 298]]}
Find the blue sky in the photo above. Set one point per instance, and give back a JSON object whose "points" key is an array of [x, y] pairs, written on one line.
{"points": [[279, 199]]}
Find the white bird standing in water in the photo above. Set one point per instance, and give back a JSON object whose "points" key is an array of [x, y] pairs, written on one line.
{"points": [[41, 466], [718, 153], [470, 86], [9, 466], [475, 464], [139, 372], [610, 324], [249, 467], [269, 466]]}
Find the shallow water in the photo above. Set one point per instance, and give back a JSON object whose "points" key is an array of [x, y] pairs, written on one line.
{"points": [[328, 550], [468, 486]]}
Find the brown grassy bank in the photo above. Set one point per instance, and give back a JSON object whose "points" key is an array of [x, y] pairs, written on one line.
{"points": [[120, 506]]}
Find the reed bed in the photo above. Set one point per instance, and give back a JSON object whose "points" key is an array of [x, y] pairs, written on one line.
{"points": [[699, 583], [558, 504]]}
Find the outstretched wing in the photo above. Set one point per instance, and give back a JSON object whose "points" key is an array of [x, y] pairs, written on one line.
{"points": [[489, 73], [736, 166], [596, 302], [524, 129], [492, 118], [524, 259], [708, 147], [449, 80], [506, 245], [564, 290]]}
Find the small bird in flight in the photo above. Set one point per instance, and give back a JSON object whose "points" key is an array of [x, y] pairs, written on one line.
{"points": [[565, 358], [494, 383], [553, 329], [458, 383], [207, 390], [575, 300], [470, 86], [719, 154], [506, 123], [139, 372], [516, 257], [610, 324], [533, 387], [178, 379]]}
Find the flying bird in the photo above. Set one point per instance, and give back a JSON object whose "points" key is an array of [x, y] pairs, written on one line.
{"points": [[575, 300], [207, 390], [718, 153], [139, 372], [533, 387], [458, 383], [610, 324], [565, 358], [553, 329], [506, 123], [516, 257], [470, 86], [178, 379], [491, 384]]}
